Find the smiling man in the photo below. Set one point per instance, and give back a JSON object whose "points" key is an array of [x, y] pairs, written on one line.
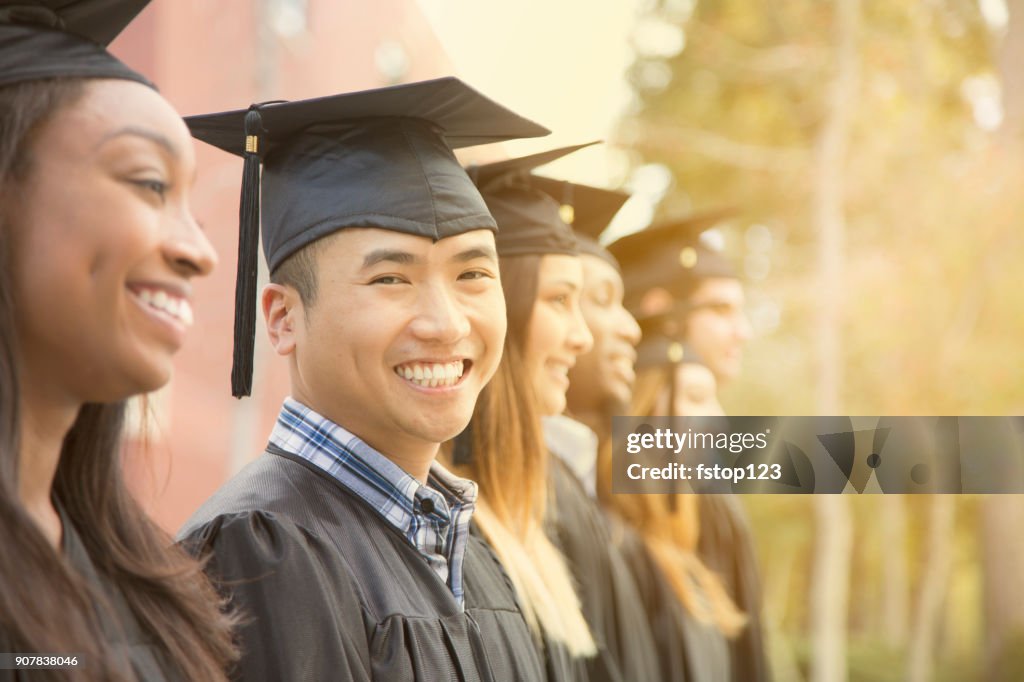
{"points": [[675, 276], [345, 547], [717, 326]]}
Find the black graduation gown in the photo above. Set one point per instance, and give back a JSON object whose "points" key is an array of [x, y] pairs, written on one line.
{"points": [[126, 636], [688, 650], [726, 546], [332, 591], [560, 665], [609, 596]]}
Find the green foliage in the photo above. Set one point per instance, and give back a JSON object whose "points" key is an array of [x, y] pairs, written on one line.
{"points": [[928, 309], [931, 315]]}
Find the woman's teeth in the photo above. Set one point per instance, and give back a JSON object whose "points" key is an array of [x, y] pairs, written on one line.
{"points": [[431, 375], [178, 308]]}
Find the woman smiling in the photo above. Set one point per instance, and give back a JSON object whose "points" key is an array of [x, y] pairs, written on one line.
{"points": [[97, 251]]}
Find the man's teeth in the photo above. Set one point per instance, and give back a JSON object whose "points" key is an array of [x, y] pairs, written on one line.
{"points": [[178, 308], [431, 375]]}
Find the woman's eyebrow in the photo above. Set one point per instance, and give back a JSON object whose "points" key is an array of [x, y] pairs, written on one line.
{"points": [[565, 282], [145, 133]]}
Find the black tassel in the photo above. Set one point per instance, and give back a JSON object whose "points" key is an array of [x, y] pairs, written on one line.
{"points": [[673, 501], [248, 255], [462, 449]]}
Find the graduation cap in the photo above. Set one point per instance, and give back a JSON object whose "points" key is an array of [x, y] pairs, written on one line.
{"points": [[588, 210], [530, 219], [664, 350], [63, 38], [376, 158], [662, 264]]}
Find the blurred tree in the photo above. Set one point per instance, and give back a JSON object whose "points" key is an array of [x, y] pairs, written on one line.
{"points": [[732, 98], [895, 584], [927, 616], [1002, 516], [830, 585], [733, 107]]}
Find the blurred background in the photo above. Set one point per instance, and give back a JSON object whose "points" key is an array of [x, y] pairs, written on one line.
{"points": [[871, 152]]}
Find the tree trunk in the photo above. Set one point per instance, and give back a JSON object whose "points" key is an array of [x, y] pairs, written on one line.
{"points": [[833, 552], [1009, 58], [830, 584], [895, 584], [1002, 516], [938, 562]]}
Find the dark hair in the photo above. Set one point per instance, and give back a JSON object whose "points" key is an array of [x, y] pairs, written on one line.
{"points": [[45, 606], [300, 272]]}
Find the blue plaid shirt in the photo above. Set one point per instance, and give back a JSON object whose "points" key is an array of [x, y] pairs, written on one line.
{"points": [[433, 517]]}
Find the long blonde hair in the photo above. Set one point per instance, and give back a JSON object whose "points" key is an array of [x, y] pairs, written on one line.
{"points": [[509, 462], [670, 525]]}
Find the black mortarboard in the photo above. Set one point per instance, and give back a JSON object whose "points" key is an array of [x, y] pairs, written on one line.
{"points": [[657, 350], [588, 210], [530, 220], [63, 39], [670, 257], [377, 158]]}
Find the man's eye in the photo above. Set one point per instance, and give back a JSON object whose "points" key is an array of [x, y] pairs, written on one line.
{"points": [[387, 279], [475, 274], [717, 307]]}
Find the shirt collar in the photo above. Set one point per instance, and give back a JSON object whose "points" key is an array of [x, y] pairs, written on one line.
{"points": [[576, 445], [383, 484]]}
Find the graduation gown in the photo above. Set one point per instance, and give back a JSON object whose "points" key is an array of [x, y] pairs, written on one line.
{"points": [[726, 546], [332, 591], [687, 650], [608, 594], [560, 665], [128, 639]]}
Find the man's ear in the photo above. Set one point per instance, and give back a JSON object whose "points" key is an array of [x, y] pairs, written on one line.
{"points": [[283, 313]]}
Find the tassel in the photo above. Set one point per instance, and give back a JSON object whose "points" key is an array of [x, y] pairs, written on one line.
{"points": [[676, 358], [248, 255]]}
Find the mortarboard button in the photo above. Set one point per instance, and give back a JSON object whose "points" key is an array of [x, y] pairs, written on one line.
{"points": [[671, 257], [541, 215], [688, 257], [675, 352], [567, 212]]}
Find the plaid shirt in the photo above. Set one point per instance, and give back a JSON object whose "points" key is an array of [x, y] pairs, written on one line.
{"points": [[433, 517]]}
